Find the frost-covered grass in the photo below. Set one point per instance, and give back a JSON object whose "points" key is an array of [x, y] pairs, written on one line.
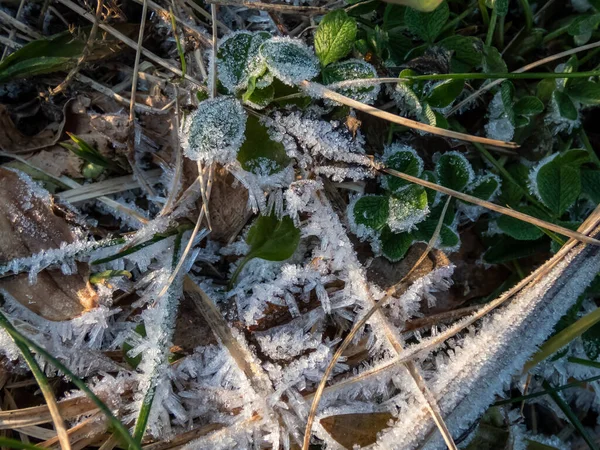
{"points": [[227, 350]]}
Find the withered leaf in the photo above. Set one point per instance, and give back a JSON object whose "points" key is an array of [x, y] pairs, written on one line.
{"points": [[356, 429], [27, 226]]}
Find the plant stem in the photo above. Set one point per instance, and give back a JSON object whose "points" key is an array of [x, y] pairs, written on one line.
{"points": [[560, 340], [491, 28], [239, 268], [584, 362], [484, 12], [178, 44], [554, 34], [588, 146], [115, 423], [527, 13], [560, 402], [13, 443], [459, 18], [500, 34]]}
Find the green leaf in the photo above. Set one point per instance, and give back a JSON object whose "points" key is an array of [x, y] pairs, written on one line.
{"points": [[448, 238], [427, 25], [372, 211], [398, 45], [513, 193], [467, 52], [419, 5], [528, 106], [289, 60], [590, 184], [393, 16], [238, 59], [98, 277], [584, 24], [407, 208], [485, 187], [405, 160], [445, 93], [565, 106], [432, 195], [256, 97], [506, 249], [352, 69], [492, 60], [260, 154], [584, 91], [507, 91], [58, 53], [273, 239], [394, 245], [517, 229], [558, 186], [574, 157], [335, 36], [544, 89], [500, 6], [454, 171]]}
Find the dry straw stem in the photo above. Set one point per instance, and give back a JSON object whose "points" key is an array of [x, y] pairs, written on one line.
{"points": [[8, 19], [324, 92], [207, 15], [12, 33], [281, 9], [136, 66], [487, 87], [413, 370], [488, 205], [120, 36]]}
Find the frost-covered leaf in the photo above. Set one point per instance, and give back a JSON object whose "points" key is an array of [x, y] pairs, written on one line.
{"points": [[335, 36], [372, 211], [289, 60], [507, 91], [259, 154], [403, 159], [407, 208], [584, 24], [565, 105], [518, 229], [454, 171], [447, 240], [353, 69], [512, 193], [485, 187], [427, 25], [557, 185], [273, 239], [215, 131], [444, 93], [584, 91], [238, 59], [590, 184], [432, 195], [394, 245], [528, 106], [466, 52]]}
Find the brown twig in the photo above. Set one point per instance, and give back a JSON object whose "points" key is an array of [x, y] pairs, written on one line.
{"points": [[323, 92], [281, 9], [86, 51]]}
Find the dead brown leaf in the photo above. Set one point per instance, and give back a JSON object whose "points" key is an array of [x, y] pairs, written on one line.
{"points": [[356, 429], [27, 226], [13, 141]]}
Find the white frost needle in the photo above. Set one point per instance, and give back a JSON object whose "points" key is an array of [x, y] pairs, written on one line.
{"points": [[410, 365]]}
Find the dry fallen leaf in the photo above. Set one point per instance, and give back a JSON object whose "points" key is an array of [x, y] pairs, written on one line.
{"points": [[13, 141], [27, 226], [356, 429]]}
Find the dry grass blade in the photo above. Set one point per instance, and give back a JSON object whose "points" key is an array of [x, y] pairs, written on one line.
{"points": [[533, 65], [40, 377], [37, 415], [136, 66], [281, 9], [491, 206], [107, 187], [410, 366], [213, 61], [148, 54], [8, 19], [322, 91], [12, 33]]}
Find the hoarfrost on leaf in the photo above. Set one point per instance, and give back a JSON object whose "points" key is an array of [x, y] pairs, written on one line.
{"points": [[352, 69], [290, 60], [238, 59], [407, 208], [215, 131]]}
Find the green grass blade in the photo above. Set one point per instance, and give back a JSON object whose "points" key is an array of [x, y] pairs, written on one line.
{"points": [[14, 443], [114, 422], [570, 415]]}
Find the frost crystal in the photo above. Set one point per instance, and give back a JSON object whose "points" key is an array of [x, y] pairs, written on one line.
{"points": [[215, 131], [290, 60], [499, 126], [406, 211]]}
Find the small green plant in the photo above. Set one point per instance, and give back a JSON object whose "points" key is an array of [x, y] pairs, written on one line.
{"points": [[406, 213]]}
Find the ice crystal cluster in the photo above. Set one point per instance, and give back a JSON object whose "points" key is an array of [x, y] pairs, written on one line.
{"points": [[268, 336]]}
